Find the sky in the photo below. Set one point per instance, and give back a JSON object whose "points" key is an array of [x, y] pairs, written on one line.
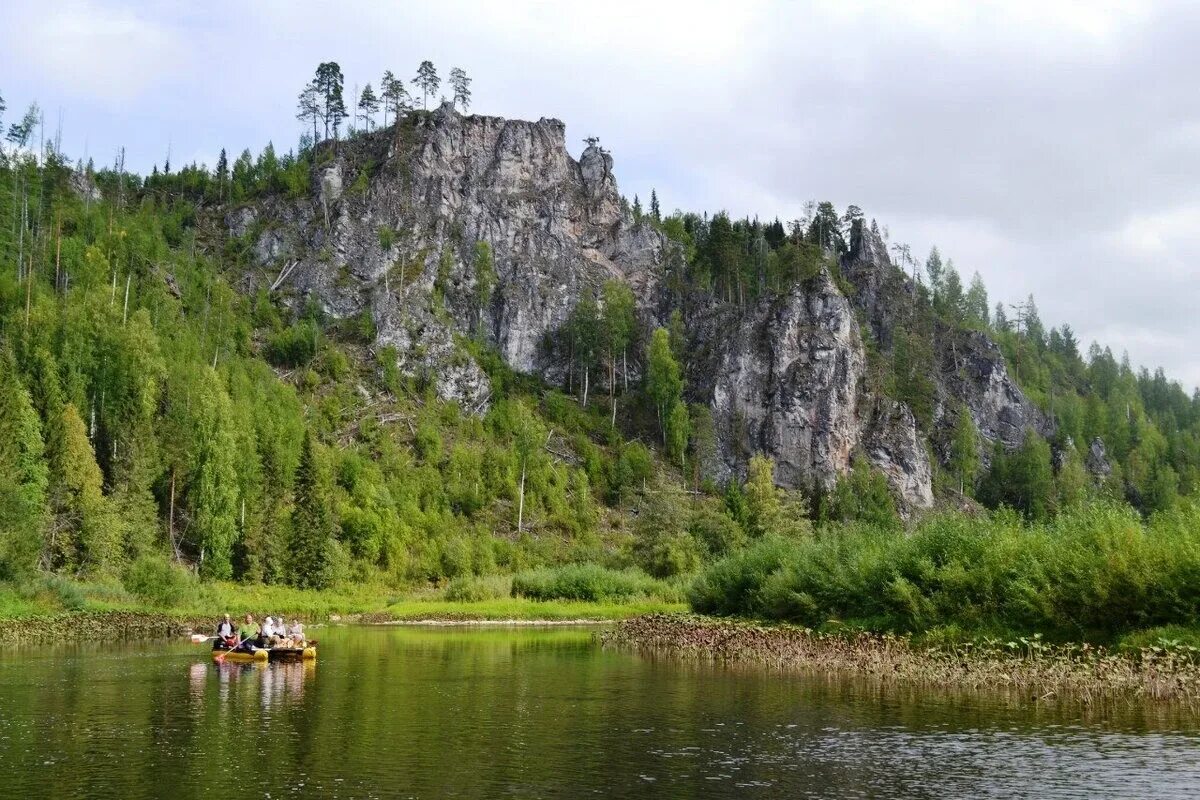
{"points": [[1053, 147]]}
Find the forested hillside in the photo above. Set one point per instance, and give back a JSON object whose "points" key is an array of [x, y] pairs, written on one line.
{"points": [[168, 395]]}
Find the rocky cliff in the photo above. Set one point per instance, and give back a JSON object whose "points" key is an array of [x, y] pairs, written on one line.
{"points": [[391, 226]]}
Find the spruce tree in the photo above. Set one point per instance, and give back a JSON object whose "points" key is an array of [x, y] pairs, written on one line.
{"points": [[24, 479], [311, 546]]}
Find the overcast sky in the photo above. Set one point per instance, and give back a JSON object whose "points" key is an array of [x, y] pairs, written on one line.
{"points": [[1053, 147]]}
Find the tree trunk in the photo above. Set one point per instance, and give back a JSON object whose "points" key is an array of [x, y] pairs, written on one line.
{"points": [[125, 312], [521, 501], [586, 372], [171, 517], [612, 388]]}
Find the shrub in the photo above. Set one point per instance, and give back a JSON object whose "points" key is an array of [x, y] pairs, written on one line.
{"points": [[588, 582], [294, 346], [1093, 572], [474, 589], [158, 582]]}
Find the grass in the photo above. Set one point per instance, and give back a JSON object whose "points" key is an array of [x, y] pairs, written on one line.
{"points": [[521, 608], [485, 598]]}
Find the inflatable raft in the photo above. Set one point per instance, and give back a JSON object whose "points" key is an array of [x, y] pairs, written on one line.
{"points": [[254, 654]]}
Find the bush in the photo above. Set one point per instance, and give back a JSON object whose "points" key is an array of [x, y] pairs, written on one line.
{"points": [[588, 582], [158, 582], [473, 589], [295, 346], [1092, 573]]}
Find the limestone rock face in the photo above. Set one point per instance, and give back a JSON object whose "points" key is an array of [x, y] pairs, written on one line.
{"points": [[787, 385], [393, 223], [786, 382], [1097, 459], [970, 369]]}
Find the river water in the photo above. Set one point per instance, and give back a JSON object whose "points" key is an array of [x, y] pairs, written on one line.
{"points": [[527, 713]]}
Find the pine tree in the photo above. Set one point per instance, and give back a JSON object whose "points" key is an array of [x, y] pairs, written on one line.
{"points": [[312, 535], [427, 81], [368, 105], [308, 108], [655, 211], [328, 85], [461, 85], [394, 95]]}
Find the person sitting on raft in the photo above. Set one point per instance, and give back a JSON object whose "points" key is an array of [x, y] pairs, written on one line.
{"points": [[270, 633], [225, 631], [248, 632], [296, 633], [281, 635]]}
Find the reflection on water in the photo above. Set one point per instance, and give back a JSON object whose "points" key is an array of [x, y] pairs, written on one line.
{"points": [[401, 712]]}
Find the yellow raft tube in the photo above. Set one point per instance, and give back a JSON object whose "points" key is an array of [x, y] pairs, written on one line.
{"points": [[263, 655]]}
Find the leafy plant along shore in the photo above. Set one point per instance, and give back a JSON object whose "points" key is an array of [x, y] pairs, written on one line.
{"points": [[171, 421]]}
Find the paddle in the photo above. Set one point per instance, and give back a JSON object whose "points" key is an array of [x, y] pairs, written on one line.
{"points": [[200, 638], [224, 653]]}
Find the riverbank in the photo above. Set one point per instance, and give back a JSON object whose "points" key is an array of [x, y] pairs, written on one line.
{"points": [[70, 611], [1027, 668]]}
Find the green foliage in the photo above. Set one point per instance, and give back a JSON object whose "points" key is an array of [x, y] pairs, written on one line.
{"points": [[964, 451], [588, 582], [295, 346], [24, 479], [312, 558], [159, 583], [664, 387], [475, 589], [1023, 480], [1093, 572], [485, 279], [663, 545], [862, 496]]}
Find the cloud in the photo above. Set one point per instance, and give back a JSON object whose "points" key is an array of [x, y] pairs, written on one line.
{"points": [[1052, 146], [97, 51]]}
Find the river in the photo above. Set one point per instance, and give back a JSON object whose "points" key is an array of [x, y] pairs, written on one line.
{"points": [[527, 713]]}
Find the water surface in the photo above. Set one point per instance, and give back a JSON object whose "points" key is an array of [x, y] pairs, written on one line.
{"points": [[529, 713]]}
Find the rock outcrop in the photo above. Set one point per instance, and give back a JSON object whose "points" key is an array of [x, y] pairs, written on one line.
{"points": [[969, 367], [786, 380], [393, 224], [391, 229]]}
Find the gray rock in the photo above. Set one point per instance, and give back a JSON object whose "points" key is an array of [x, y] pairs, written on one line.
{"points": [[1097, 462]]}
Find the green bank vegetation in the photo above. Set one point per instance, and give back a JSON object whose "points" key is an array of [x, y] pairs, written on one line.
{"points": [[1095, 573], [171, 440]]}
